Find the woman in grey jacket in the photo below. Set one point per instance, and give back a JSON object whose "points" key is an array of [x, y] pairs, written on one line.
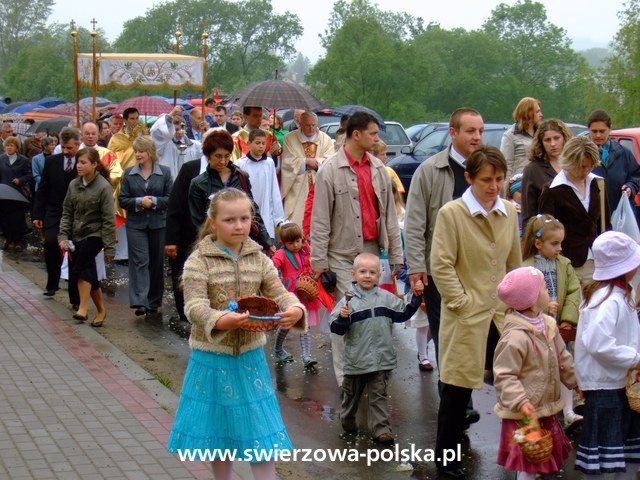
{"points": [[87, 226], [144, 194]]}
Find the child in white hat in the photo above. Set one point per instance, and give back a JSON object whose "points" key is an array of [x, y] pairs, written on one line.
{"points": [[606, 348], [530, 363]]}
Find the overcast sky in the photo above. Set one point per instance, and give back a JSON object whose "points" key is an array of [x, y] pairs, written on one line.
{"points": [[589, 23]]}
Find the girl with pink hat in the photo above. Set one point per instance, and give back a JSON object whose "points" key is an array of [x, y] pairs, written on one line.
{"points": [[607, 347], [531, 362]]}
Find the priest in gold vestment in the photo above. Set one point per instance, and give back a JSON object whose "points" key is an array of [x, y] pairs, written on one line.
{"points": [[303, 153]]}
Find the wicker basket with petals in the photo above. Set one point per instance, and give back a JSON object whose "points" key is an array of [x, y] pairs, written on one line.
{"points": [[262, 312], [306, 288], [538, 444], [633, 392]]}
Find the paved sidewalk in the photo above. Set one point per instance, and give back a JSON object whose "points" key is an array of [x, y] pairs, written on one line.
{"points": [[66, 412]]}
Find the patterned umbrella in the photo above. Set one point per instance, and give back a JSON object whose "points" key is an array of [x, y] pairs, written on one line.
{"points": [[275, 94], [87, 102], [66, 110], [145, 105]]}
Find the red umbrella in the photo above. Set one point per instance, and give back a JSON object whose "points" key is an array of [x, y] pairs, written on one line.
{"points": [[145, 105]]}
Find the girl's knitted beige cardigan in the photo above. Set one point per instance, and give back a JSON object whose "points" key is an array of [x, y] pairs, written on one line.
{"points": [[212, 278]]}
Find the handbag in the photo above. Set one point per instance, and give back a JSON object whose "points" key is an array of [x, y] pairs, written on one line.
{"points": [[254, 233]]}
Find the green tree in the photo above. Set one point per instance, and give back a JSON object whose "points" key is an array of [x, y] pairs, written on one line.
{"points": [[247, 42], [541, 57], [398, 24], [19, 20], [622, 75], [362, 67], [45, 66]]}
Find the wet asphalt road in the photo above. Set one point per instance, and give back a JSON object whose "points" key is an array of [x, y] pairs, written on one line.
{"points": [[309, 403]]}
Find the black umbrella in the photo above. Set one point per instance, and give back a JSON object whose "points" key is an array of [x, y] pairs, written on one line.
{"points": [[351, 109], [8, 193], [275, 94], [50, 125]]}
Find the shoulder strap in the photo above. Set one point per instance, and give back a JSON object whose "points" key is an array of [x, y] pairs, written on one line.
{"points": [[243, 181]]}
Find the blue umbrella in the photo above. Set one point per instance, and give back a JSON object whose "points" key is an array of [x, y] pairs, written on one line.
{"points": [[2, 104], [180, 101], [11, 106], [27, 107], [351, 109], [49, 102]]}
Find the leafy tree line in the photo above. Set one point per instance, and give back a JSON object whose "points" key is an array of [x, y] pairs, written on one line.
{"points": [[411, 72], [247, 42]]}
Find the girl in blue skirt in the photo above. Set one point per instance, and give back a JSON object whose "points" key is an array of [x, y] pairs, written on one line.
{"points": [[227, 404], [607, 347]]}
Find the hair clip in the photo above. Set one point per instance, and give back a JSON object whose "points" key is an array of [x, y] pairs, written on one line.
{"points": [[539, 233]]}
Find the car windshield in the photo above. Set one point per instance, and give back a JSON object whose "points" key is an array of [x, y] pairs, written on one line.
{"points": [[394, 134], [431, 142], [492, 137]]}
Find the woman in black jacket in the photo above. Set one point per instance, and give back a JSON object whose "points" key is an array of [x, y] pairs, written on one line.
{"points": [[15, 171], [222, 173]]}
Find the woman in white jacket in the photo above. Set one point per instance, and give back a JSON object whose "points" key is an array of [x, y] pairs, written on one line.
{"points": [[607, 344]]}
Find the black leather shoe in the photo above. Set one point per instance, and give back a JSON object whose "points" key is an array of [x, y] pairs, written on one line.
{"points": [[141, 311], [444, 472], [472, 417], [49, 293]]}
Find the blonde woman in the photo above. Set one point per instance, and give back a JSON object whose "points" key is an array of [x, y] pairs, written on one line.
{"points": [[144, 194], [573, 197]]}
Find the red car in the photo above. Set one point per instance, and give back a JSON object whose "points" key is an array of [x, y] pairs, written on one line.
{"points": [[629, 138]]}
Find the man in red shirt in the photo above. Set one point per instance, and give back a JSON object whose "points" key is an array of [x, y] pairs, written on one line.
{"points": [[353, 212]]}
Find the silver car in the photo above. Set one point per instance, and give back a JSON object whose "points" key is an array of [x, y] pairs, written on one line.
{"points": [[393, 135]]}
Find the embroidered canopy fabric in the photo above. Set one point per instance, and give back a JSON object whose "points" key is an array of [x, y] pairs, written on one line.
{"points": [[128, 70]]}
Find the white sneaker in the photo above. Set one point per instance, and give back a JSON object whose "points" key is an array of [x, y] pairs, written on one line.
{"points": [[571, 420]]}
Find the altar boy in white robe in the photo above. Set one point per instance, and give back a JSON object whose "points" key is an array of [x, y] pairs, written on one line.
{"points": [[264, 182]]}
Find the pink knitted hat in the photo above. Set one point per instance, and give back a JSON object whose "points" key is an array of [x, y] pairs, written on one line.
{"points": [[520, 288]]}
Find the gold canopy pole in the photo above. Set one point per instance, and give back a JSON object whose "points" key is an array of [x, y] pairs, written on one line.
{"points": [[94, 82], [205, 35], [74, 34], [178, 34]]}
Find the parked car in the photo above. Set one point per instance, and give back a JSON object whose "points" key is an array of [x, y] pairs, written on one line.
{"points": [[629, 138], [324, 116], [577, 129], [419, 131], [439, 139], [393, 135]]}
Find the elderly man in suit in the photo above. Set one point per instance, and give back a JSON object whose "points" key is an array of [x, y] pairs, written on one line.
{"points": [[58, 172]]}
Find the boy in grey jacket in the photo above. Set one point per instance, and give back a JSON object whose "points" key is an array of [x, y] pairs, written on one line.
{"points": [[365, 317]]}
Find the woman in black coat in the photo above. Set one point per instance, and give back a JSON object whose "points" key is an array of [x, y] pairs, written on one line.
{"points": [[222, 173], [15, 171], [574, 198]]}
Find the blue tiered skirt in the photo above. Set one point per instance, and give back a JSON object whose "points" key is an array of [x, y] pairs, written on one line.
{"points": [[610, 434], [228, 402]]}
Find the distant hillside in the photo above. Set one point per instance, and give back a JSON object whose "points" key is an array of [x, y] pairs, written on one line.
{"points": [[596, 57]]}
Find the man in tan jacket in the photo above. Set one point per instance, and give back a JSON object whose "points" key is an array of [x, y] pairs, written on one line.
{"points": [[353, 212]]}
